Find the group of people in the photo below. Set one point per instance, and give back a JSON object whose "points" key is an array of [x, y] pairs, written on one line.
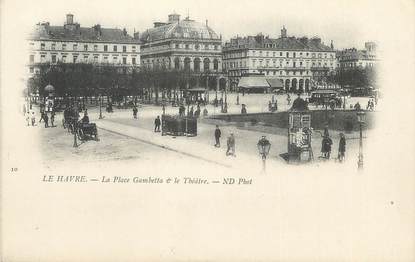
{"points": [[193, 113], [230, 142], [31, 117], [371, 104], [326, 144]]}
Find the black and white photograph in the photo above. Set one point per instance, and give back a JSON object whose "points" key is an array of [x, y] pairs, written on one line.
{"points": [[207, 130]]}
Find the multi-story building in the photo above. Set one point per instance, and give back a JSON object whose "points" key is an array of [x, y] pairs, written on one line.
{"points": [[72, 43], [182, 45], [352, 58], [297, 62]]}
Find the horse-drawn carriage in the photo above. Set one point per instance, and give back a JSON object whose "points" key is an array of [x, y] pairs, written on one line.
{"points": [[87, 131], [83, 129]]}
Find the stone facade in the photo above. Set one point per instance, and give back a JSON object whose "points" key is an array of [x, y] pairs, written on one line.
{"points": [[352, 58], [182, 45], [72, 43], [299, 63]]}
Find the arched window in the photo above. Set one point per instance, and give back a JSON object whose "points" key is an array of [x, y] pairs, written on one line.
{"points": [[197, 65], [177, 63], [307, 85], [301, 85], [215, 64], [287, 84], [206, 64], [294, 84], [187, 63]]}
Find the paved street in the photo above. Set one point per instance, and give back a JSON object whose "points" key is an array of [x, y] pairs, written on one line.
{"points": [[124, 139]]}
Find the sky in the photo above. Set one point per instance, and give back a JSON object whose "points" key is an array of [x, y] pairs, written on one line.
{"points": [[348, 23]]}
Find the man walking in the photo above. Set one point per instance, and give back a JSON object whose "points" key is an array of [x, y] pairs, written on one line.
{"points": [[33, 117], [342, 147], [46, 118], [52, 118], [231, 145], [42, 115], [326, 147], [135, 110], [157, 124], [217, 136]]}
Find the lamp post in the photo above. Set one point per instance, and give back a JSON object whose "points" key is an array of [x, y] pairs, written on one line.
{"points": [[75, 130], [100, 106], [361, 119], [263, 148]]}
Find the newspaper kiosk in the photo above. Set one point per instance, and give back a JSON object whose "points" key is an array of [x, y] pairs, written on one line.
{"points": [[299, 137], [178, 125]]}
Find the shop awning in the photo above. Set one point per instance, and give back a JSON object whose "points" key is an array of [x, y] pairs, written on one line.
{"points": [[197, 90], [275, 83], [253, 82]]}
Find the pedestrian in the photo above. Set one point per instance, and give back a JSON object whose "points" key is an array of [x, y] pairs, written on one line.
{"points": [[342, 148], [326, 131], [157, 124], [368, 107], [269, 106], [42, 115], [135, 110], [326, 147], [197, 112], [288, 99], [27, 114], [163, 109], [357, 106], [52, 118], [243, 109], [205, 112], [231, 145], [46, 118], [218, 133], [191, 111], [33, 117]]}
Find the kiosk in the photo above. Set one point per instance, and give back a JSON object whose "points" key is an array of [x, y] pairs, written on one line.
{"points": [[299, 137], [178, 125]]}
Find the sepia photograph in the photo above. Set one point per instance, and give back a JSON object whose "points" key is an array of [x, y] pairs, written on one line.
{"points": [[207, 130]]}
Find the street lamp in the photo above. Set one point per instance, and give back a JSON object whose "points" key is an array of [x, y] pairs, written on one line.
{"points": [[263, 148], [100, 105], [361, 119], [75, 130]]}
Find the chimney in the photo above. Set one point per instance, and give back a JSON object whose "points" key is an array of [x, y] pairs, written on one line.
{"points": [[136, 35], [69, 19], [97, 30], [174, 18], [304, 40], [283, 32], [316, 40]]}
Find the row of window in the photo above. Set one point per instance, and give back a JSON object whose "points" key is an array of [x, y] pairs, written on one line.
{"points": [[196, 46], [86, 57], [277, 54], [281, 73], [86, 47], [267, 64]]}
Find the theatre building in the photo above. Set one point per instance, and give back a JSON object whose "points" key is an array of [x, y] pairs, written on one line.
{"points": [[182, 45]]}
